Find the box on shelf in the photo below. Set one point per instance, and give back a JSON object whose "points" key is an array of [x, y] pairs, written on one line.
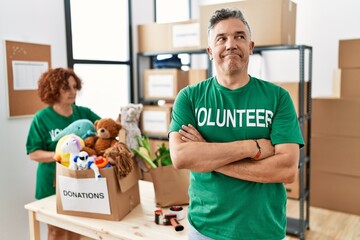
{"points": [[336, 192], [293, 189], [165, 37], [164, 83], [197, 75], [336, 154], [293, 89], [350, 82], [349, 53], [155, 120], [336, 116], [78, 193], [281, 30]]}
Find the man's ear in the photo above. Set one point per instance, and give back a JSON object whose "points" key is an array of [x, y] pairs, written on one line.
{"points": [[251, 46], [209, 53]]}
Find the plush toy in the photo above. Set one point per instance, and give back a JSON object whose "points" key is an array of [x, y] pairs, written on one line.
{"points": [[83, 161], [120, 156], [82, 128], [72, 146], [61, 156], [130, 116], [107, 130]]}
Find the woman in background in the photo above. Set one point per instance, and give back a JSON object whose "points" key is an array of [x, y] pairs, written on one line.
{"points": [[57, 88]]}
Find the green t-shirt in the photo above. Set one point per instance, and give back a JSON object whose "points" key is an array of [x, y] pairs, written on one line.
{"points": [[223, 207], [45, 125]]}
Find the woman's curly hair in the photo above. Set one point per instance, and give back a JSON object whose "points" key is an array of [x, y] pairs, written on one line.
{"points": [[52, 81]]}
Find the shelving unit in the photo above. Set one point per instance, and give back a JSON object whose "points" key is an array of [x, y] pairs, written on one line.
{"points": [[295, 226]]}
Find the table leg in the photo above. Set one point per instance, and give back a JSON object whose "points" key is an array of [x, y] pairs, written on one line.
{"points": [[34, 226]]}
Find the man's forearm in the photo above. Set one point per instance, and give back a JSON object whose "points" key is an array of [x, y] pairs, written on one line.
{"points": [[280, 167], [206, 157]]}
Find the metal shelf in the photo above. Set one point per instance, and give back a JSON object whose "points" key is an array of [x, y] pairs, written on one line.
{"points": [[295, 226]]}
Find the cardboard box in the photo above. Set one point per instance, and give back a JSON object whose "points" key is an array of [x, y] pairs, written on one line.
{"points": [[335, 154], [78, 193], [349, 53], [335, 117], [155, 120], [197, 75], [293, 189], [165, 37], [335, 192], [350, 83], [281, 30], [164, 83], [294, 91]]}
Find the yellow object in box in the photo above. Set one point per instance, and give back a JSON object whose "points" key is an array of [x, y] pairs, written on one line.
{"points": [[164, 83]]}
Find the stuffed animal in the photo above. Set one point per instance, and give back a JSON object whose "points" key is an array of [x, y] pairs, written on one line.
{"points": [[120, 156], [83, 161], [61, 156], [107, 130], [82, 128], [130, 116], [72, 146]]}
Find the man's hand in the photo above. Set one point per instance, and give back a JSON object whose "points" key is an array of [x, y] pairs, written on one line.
{"points": [[190, 134]]}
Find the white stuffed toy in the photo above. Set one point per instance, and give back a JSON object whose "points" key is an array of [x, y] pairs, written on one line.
{"points": [[83, 161], [130, 116]]}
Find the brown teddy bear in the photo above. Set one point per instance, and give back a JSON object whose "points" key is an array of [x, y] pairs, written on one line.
{"points": [[107, 130]]}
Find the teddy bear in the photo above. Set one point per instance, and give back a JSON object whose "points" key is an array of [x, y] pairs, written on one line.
{"points": [[107, 130], [129, 118]]}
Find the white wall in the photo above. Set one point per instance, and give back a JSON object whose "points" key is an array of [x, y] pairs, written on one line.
{"points": [[319, 23], [36, 21]]}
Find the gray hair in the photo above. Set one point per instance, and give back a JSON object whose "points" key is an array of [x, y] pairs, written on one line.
{"points": [[226, 13]]}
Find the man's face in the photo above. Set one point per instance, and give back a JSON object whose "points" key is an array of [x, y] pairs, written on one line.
{"points": [[230, 46]]}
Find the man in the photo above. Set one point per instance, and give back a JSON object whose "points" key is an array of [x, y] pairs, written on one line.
{"points": [[240, 138]]}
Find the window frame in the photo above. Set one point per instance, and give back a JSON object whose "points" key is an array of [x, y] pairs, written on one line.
{"points": [[69, 49]]}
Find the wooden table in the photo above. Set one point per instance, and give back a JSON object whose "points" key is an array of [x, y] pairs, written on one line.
{"points": [[138, 224]]}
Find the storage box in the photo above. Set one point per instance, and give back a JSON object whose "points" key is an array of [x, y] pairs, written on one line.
{"points": [[335, 192], [155, 120], [78, 193], [336, 154], [350, 83], [337, 117], [197, 75], [164, 83], [272, 22], [293, 189], [165, 37], [349, 53]]}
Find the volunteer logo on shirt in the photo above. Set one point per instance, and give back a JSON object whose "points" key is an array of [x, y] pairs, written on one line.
{"points": [[234, 117]]}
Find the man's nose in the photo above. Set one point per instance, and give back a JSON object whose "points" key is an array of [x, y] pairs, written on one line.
{"points": [[231, 44]]}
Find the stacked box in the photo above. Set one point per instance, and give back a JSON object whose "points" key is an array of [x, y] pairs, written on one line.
{"points": [[281, 30], [168, 37], [164, 83], [335, 175], [155, 120]]}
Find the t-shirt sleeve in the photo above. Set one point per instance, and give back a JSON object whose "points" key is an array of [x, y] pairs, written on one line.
{"points": [[34, 140], [285, 126], [182, 112]]}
